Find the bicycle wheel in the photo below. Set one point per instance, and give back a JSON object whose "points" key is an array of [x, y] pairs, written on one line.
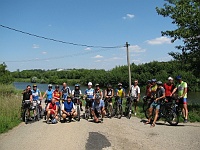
{"points": [[78, 113], [26, 116], [120, 111], [38, 113], [129, 111], [146, 112], [145, 106], [172, 118], [114, 112]]}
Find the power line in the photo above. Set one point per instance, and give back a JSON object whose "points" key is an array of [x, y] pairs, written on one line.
{"points": [[60, 41]]}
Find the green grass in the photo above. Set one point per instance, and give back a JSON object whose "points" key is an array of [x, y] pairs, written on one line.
{"points": [[10, 104]]}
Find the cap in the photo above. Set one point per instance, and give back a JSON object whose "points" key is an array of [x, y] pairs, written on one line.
{"points": [[89, 83], [159, 83], [178, 77], [153, 80], [170, 78], [97, 84], [119, 84]]}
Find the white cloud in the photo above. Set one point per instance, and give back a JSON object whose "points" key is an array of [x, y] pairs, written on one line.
{"points": [[44, 52], [136, 49], [35, 46], [98, 56], [98, 60], [160, 40], [128, 16], [88, 49]]}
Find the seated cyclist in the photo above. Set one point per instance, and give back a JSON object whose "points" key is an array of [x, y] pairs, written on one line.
{"points": [[48, 94], [76, 94], [98, 108], [89, 95], [68, 109], [52, 111], [159, 96]]}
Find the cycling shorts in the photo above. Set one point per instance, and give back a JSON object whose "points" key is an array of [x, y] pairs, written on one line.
{"points": [[109, 100], [183, 101], [155, 105], [89, 102]]}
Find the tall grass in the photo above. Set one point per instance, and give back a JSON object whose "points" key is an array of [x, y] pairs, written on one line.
{"points": [[10, 107]]}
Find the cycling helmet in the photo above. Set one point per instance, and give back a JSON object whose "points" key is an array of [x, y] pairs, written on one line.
{"points": [[57, 86], [89, 83], [178, 77], [153, 80], [159, 83], [119, 84], [149, 81], [50, 85], [97, 84], [109, 86], [77, 85], [34, 85], [170, 78]]}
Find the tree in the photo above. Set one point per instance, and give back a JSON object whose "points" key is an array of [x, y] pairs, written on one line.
{"points": [[186, 15], [5, 76]]}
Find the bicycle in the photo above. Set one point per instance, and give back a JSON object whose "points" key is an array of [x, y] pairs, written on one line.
{"points": [[108, 107], [78, 108], [168, 112], [87, 108], [146, 102], [26, 107], [128, 109], [117, 107]]}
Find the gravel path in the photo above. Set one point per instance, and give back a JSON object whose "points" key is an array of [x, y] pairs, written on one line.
{"points": [[112, 134]]}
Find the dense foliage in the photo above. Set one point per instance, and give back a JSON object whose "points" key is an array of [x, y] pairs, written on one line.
{"points": [[185, 14], [159, 70], [5, 76]]}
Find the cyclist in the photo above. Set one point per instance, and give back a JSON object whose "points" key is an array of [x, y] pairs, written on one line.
{"points": [[108, 94], [153, 88], [148, 89], [36, 94], [182, 94], [65, 91], [98, 108], [48, 93], [68, 109], [135, 94], [76, 93], [52, 111], [169, 87], [57, 94], [98, 91], [27, 95], [159, 96], [120, 92], [89, 94]]}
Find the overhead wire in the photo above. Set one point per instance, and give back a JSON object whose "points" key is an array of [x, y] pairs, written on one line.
{"points": [[60, 41]]}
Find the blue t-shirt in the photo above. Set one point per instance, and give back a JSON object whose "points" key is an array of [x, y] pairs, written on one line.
{"points": [[98, 106], [35, 94], [89, 93], [49, 94], [68, 106]]}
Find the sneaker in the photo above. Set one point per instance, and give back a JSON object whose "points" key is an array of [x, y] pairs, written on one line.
{"points": [[48, 122], [135, 113], [185, 121]]}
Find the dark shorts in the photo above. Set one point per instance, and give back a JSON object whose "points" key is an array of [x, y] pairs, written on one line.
{"points": [[89, 102]]}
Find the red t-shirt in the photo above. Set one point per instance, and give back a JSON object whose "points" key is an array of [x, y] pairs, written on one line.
{"points": [[56, 94], [52, 106], [148, 90], [168, 89]]}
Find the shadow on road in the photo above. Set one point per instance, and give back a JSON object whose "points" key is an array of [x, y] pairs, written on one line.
{"points": [[96, 141]]}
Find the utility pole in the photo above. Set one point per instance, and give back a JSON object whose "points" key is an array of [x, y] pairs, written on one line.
{"points": [[128, 62]]}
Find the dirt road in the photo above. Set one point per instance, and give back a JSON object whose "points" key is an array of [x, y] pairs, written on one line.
{"points": [[112, 134]]}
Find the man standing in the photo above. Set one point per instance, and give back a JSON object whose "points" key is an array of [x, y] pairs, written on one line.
{"points": [[135, 94], [169, 87], [182, 94]]}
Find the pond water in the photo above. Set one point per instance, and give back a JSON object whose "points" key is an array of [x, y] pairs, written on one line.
{"points": [[193, 97]]}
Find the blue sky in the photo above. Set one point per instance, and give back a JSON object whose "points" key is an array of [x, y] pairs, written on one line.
{"points": [[89, 22]]}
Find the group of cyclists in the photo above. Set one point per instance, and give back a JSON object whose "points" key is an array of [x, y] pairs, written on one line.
{"points": [[64, 100]]}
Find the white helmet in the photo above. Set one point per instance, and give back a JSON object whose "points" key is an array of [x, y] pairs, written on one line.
{"points": [[89, 83], [170, 78]]}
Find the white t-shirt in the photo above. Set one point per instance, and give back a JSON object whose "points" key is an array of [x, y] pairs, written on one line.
{"points": [[135, 90]]}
